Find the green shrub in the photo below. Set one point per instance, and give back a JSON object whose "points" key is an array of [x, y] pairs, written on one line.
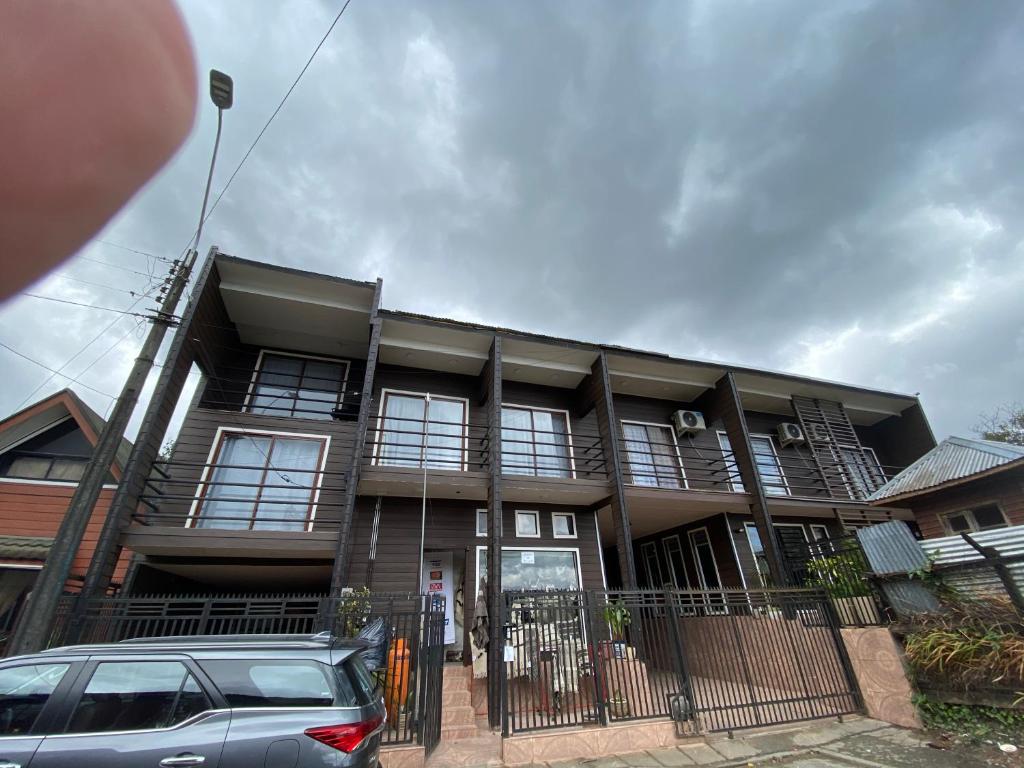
{"points": [[974, 723]]}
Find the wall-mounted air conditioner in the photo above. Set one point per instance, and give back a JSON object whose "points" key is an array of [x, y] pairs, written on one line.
{"points": [[688, 422], [790, 434]]}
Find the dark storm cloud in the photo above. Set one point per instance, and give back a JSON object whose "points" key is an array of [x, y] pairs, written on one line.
{"points": [[827, 188]]}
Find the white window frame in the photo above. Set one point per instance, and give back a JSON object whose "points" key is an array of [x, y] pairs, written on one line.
{"points": [[684, 484], [773, 490], [747, 527], [647, 549], [696, 559], [554, 531], [423, 459], [736, 486], [969, 511], [568, 437], [250, 392], [682, 556], [536, 517], [575, 551], [844, 469], [479, 512], [822, 527], [204, 478]]}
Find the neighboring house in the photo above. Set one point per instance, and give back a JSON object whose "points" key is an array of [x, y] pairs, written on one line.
{"points": [[43, 451], [963, 485], [320, 418]]}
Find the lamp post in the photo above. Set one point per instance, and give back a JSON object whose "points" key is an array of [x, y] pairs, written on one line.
{"points": [[35, 624]]}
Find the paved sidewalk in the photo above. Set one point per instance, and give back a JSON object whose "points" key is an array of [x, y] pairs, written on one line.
{"points": [[857, 743]]}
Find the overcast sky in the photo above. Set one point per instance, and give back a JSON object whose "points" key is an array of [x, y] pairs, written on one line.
{"points": [[828, 188]]}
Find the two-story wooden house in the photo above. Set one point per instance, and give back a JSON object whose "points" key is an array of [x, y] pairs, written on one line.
{"points": [[334, 443]]}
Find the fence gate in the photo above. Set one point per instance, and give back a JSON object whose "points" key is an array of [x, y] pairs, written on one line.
{"points": [[763, 657], [432, 664]]}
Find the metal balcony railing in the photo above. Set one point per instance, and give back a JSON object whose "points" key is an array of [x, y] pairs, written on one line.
{"points": [[853, 477], [665, 464], [552, 453], [395, 441], [226, 496]]}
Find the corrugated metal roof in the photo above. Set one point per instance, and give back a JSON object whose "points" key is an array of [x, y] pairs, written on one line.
{"points": [[25, 547], [955, 458]]}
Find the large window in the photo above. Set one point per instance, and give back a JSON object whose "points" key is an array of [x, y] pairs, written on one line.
{"points": [[768, 466], [534, 569], [421, 428], [137, 695], [652, 455], [982, 518], [261, 481], [676, 562], [37, 466], [535, 441], [652, 566], [292, 385]]}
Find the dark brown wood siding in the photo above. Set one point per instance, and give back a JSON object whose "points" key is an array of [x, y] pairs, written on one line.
{"points": [[451, 526], [1005, 489], [721, 543]]}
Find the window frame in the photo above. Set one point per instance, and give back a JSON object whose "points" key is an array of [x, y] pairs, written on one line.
{"points": [[485, 513], [682, 556], [735, 486], [873, 469], [696, 559], [683, 482], [814, 536], [944, 517], [554, 531], [647, 550], [254, 380], [536, 517], [772, 490], [533, 432], [195, 509], [574, 550], [49, 717], [427, 396]]}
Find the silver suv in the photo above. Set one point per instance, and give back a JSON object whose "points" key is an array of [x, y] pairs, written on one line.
{"points": [[280, 701]]}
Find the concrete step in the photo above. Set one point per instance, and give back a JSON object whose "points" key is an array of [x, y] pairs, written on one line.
{"points": [[456, 699], [455, 678], [464, 715], [458, 732], [478, 751]]}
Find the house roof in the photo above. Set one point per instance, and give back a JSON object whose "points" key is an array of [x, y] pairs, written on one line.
{"points": [[25, 547], [47, 412], [953, 461]]}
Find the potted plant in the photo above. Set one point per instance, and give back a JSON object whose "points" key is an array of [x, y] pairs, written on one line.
{"points": [[617, 615]]}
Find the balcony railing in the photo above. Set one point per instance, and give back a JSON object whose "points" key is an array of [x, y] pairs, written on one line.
{"points": [[241, 497], [404, 442], [664, 464], [852, 478], [554, 453]]}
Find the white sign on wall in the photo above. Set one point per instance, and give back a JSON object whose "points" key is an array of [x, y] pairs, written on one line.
{"points": [[438, 579]]}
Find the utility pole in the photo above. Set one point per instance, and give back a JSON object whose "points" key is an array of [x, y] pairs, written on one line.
{"points": [[35, 625]]}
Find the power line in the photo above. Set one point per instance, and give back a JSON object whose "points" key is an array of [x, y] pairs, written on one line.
{"points": [[96, 285], [83, 304], [134, 250], [273, 114], [42, 365], [116, 266]]}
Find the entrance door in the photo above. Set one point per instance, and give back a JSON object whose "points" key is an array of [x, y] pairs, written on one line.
{"points": [[704, 556]]}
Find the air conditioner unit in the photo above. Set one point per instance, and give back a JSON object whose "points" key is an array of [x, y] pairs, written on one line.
{"points": [[688, 422], [790, 434]]}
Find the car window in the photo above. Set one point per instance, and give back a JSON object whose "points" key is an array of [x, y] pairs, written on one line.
{"points": [[357, 671], [273, 683], [137, 695], [24, 691]]}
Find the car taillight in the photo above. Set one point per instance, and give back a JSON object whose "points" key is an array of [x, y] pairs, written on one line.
{"points": [[345, 737]]}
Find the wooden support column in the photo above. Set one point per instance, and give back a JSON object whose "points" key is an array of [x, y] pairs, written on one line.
{"points": [[596, 390], [727, 404], [343, 552], [170, 383], [496, 640]]}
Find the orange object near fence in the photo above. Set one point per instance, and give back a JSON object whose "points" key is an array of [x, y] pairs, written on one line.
{"points": [[396, 683]]}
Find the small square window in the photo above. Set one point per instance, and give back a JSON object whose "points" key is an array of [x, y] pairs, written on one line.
{"points": [[528, 524], [563, 525], [959, 523], [481, 522]]}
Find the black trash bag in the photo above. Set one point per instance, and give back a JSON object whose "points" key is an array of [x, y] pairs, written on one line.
{"points": [[375, 636]]}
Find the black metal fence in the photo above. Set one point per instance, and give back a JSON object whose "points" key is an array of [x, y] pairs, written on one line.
{"points": [[711, 660], [412, 625]]}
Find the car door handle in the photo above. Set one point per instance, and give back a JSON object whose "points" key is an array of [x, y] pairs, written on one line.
{"points": [[179, 761]]}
